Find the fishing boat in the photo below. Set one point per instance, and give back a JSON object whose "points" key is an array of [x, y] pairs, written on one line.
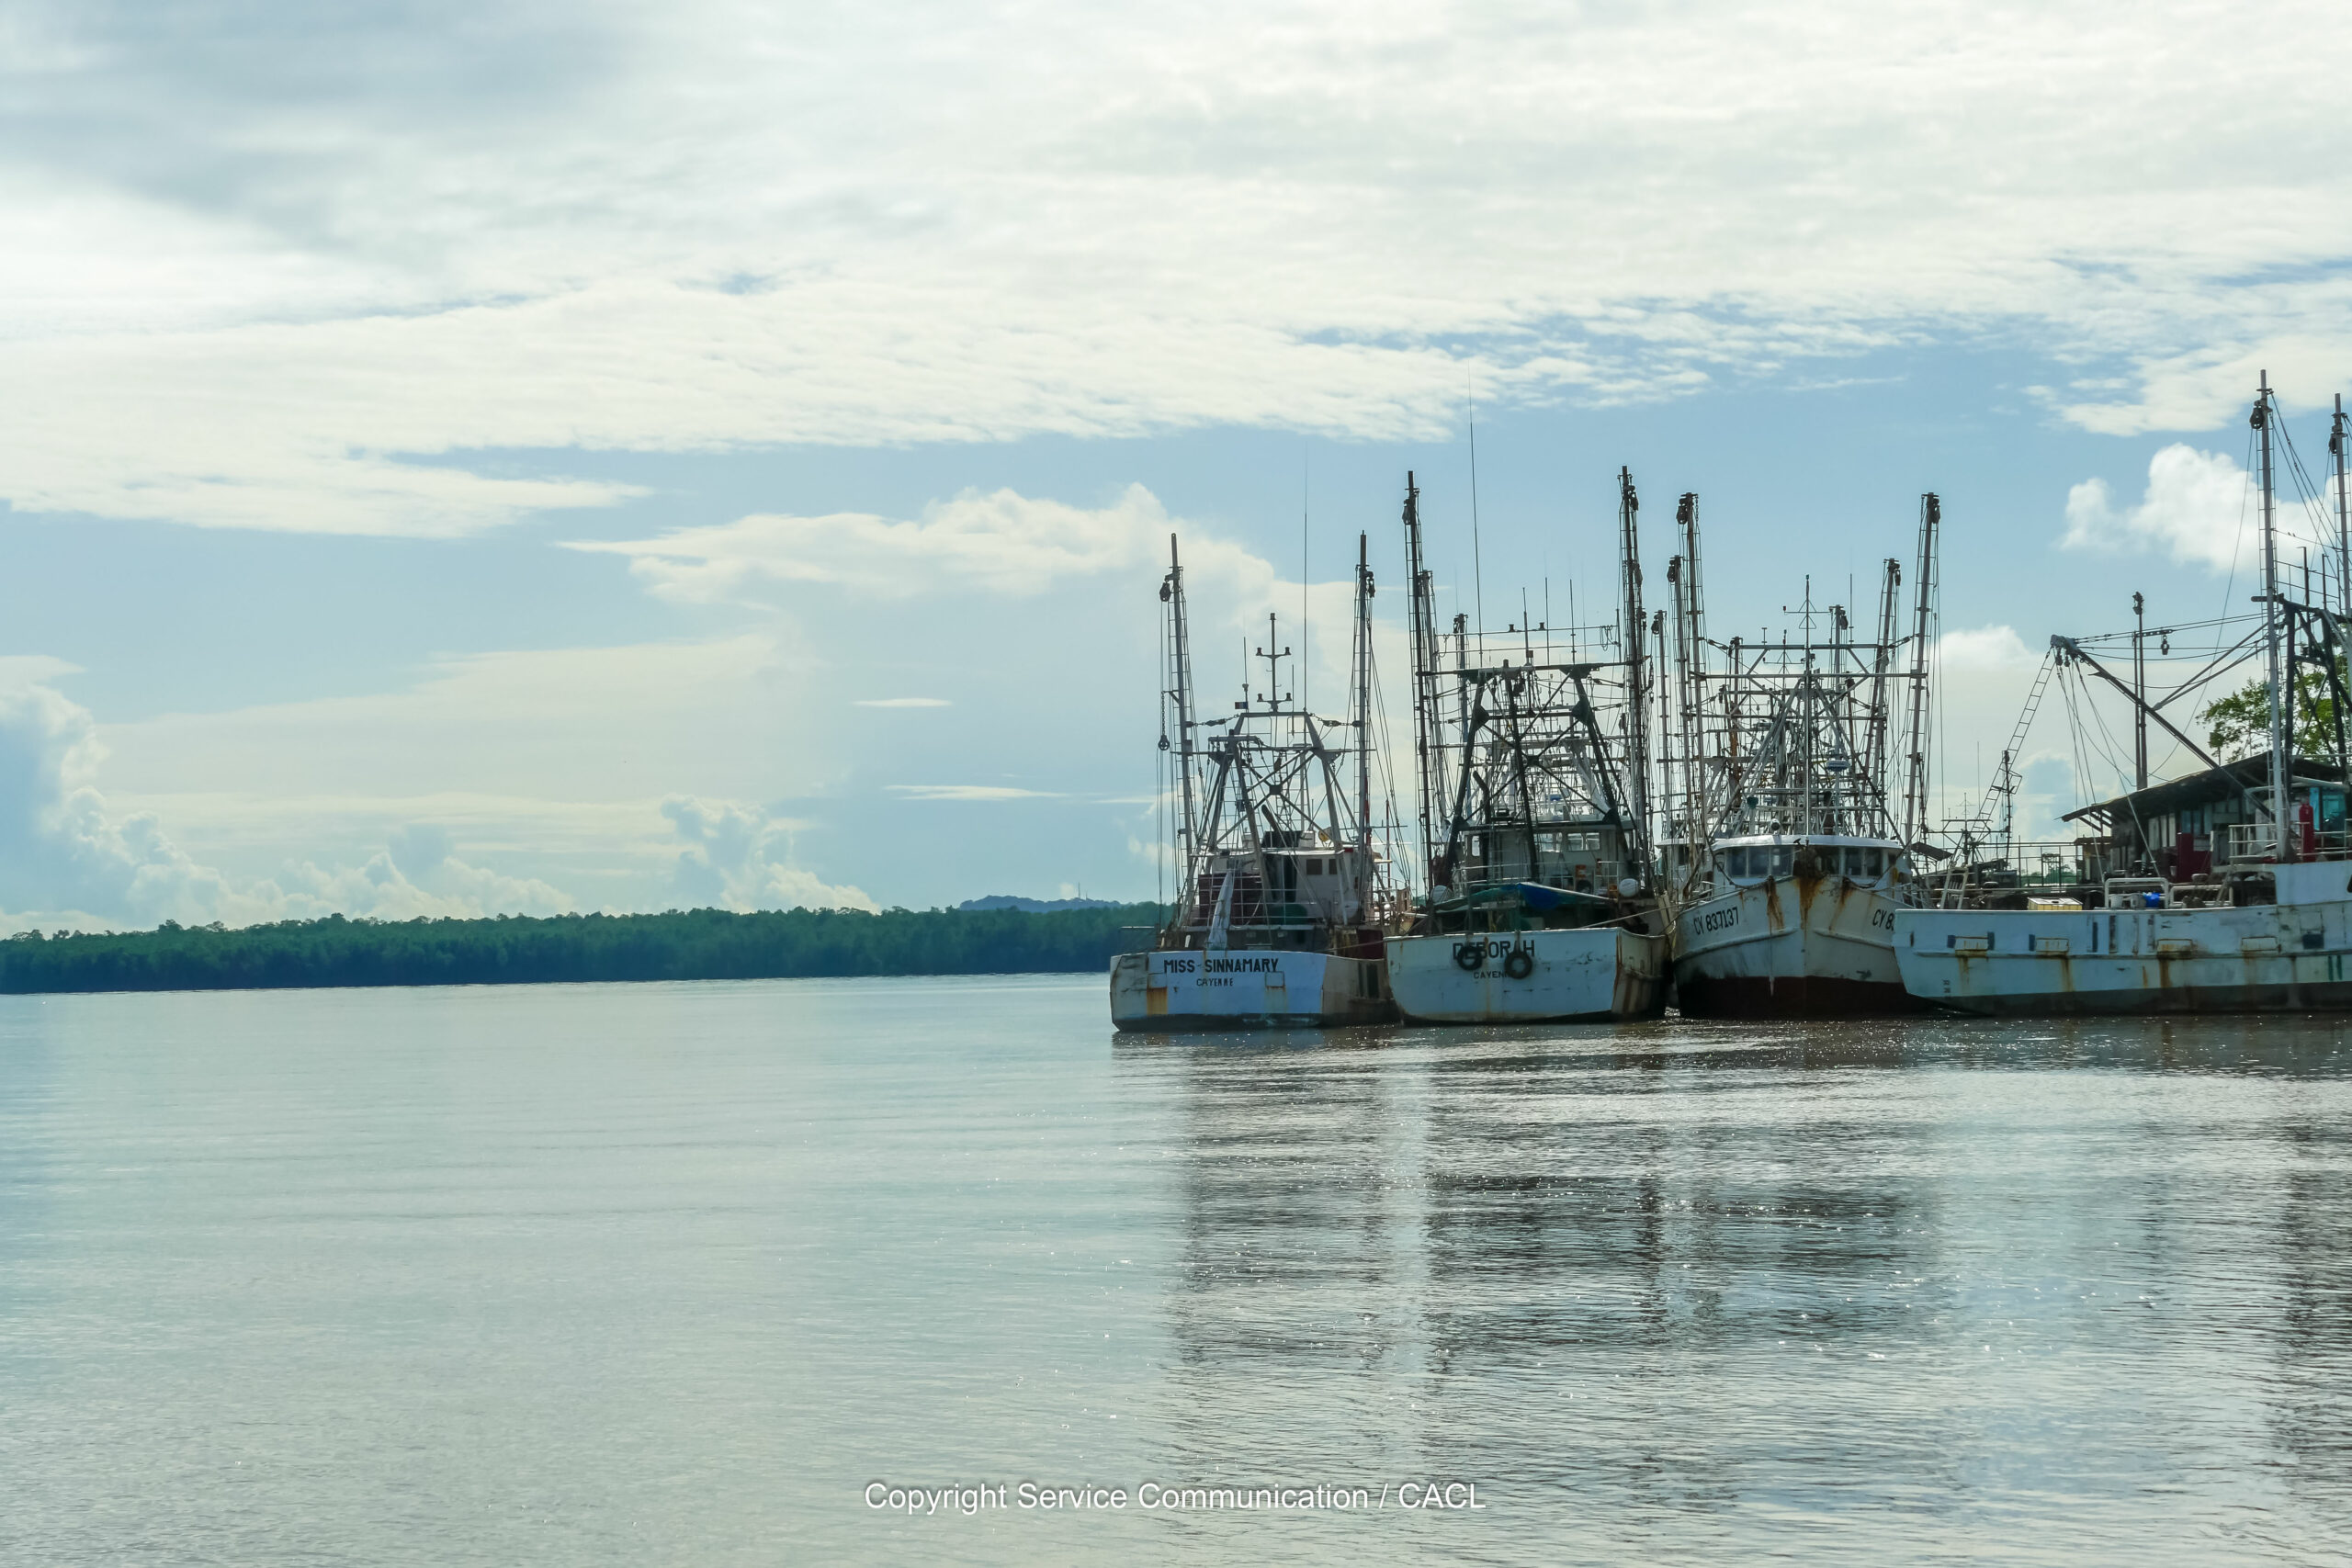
{"points": [[1797, 925], [1278, 918], [2226, 892], [1798, 857], [1541, 907]]}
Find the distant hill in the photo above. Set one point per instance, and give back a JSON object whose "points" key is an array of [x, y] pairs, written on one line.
{"points": [[1032, 906]]}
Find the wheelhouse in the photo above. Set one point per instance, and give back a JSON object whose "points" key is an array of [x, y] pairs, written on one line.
{"points": [[1866, 863]]}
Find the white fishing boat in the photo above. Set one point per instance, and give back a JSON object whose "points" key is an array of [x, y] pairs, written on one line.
{"points": [[1791, 751], [1794, 926], [1511, 971], [1529, 752], [2136, 956], [2213, 894], [1246, 988], [1278, 920]]}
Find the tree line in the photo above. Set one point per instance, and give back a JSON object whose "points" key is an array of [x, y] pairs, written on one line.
{"points": [[696, 944]]}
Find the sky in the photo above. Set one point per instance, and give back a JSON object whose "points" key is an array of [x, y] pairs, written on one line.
{"points": [[489, 457]]}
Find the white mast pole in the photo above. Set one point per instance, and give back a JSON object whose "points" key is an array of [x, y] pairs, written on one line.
{"points": [[2264, 409], [1637, 760], [1915, 793], [1364, 704], [2336, 444], [1180, 636]]}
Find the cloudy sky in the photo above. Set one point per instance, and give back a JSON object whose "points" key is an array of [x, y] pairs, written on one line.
{"points": [[523, 456]]}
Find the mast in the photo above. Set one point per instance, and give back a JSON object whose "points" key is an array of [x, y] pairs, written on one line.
{"points": [[1637, 762], [1427, 721], [1689, 695], [1171, 593], [1665, 749], [2138, 692], [1363, 706], [1873, 766], [1809, 722], [2339, 438], [1462, 713], [2339, 448], [1915, 793], [2265, 410]]}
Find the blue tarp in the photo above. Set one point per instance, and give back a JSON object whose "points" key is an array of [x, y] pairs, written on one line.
{"points": [[1536, 895]]}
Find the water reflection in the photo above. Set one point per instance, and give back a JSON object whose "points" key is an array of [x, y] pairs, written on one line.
{"points": [[1696, 1267]]}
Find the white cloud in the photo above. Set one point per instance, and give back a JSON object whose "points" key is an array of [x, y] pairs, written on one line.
{"points": [[255, 283], [1001, 543], [1020, 547], [555, 760], [552, 724], [385, 889], [737, 857], [1983, 650], [67, 857], [2197, 508], [61, 849], [971, 791]]}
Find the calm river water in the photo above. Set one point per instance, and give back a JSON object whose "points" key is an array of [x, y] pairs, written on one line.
{"points": [[669, 1274]]}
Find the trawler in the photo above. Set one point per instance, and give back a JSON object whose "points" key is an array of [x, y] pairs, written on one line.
{"points": [[1540, 907], [1790, 858], [2229, 891], [1278, 920]]}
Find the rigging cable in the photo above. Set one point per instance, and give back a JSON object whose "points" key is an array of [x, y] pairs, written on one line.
{"points": [[2237, 543]]}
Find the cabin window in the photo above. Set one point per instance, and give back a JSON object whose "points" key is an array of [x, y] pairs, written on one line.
{"points": [[1784, 859], [1873, 864], [1738, 860]]}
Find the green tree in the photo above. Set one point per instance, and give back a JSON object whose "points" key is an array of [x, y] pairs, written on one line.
{"points": [[2239, 724], [697, 944]]}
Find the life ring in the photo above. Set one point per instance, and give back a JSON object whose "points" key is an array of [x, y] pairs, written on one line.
{"points": [[1519, 965], [1469, 954]]}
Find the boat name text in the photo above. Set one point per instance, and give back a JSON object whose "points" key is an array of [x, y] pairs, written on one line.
{"points": [[1258, 964]]}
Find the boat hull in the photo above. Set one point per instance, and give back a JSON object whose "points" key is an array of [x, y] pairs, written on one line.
{"points": [[2010, 963], [1792, 947], [1181, 990], [1593, 974]]}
